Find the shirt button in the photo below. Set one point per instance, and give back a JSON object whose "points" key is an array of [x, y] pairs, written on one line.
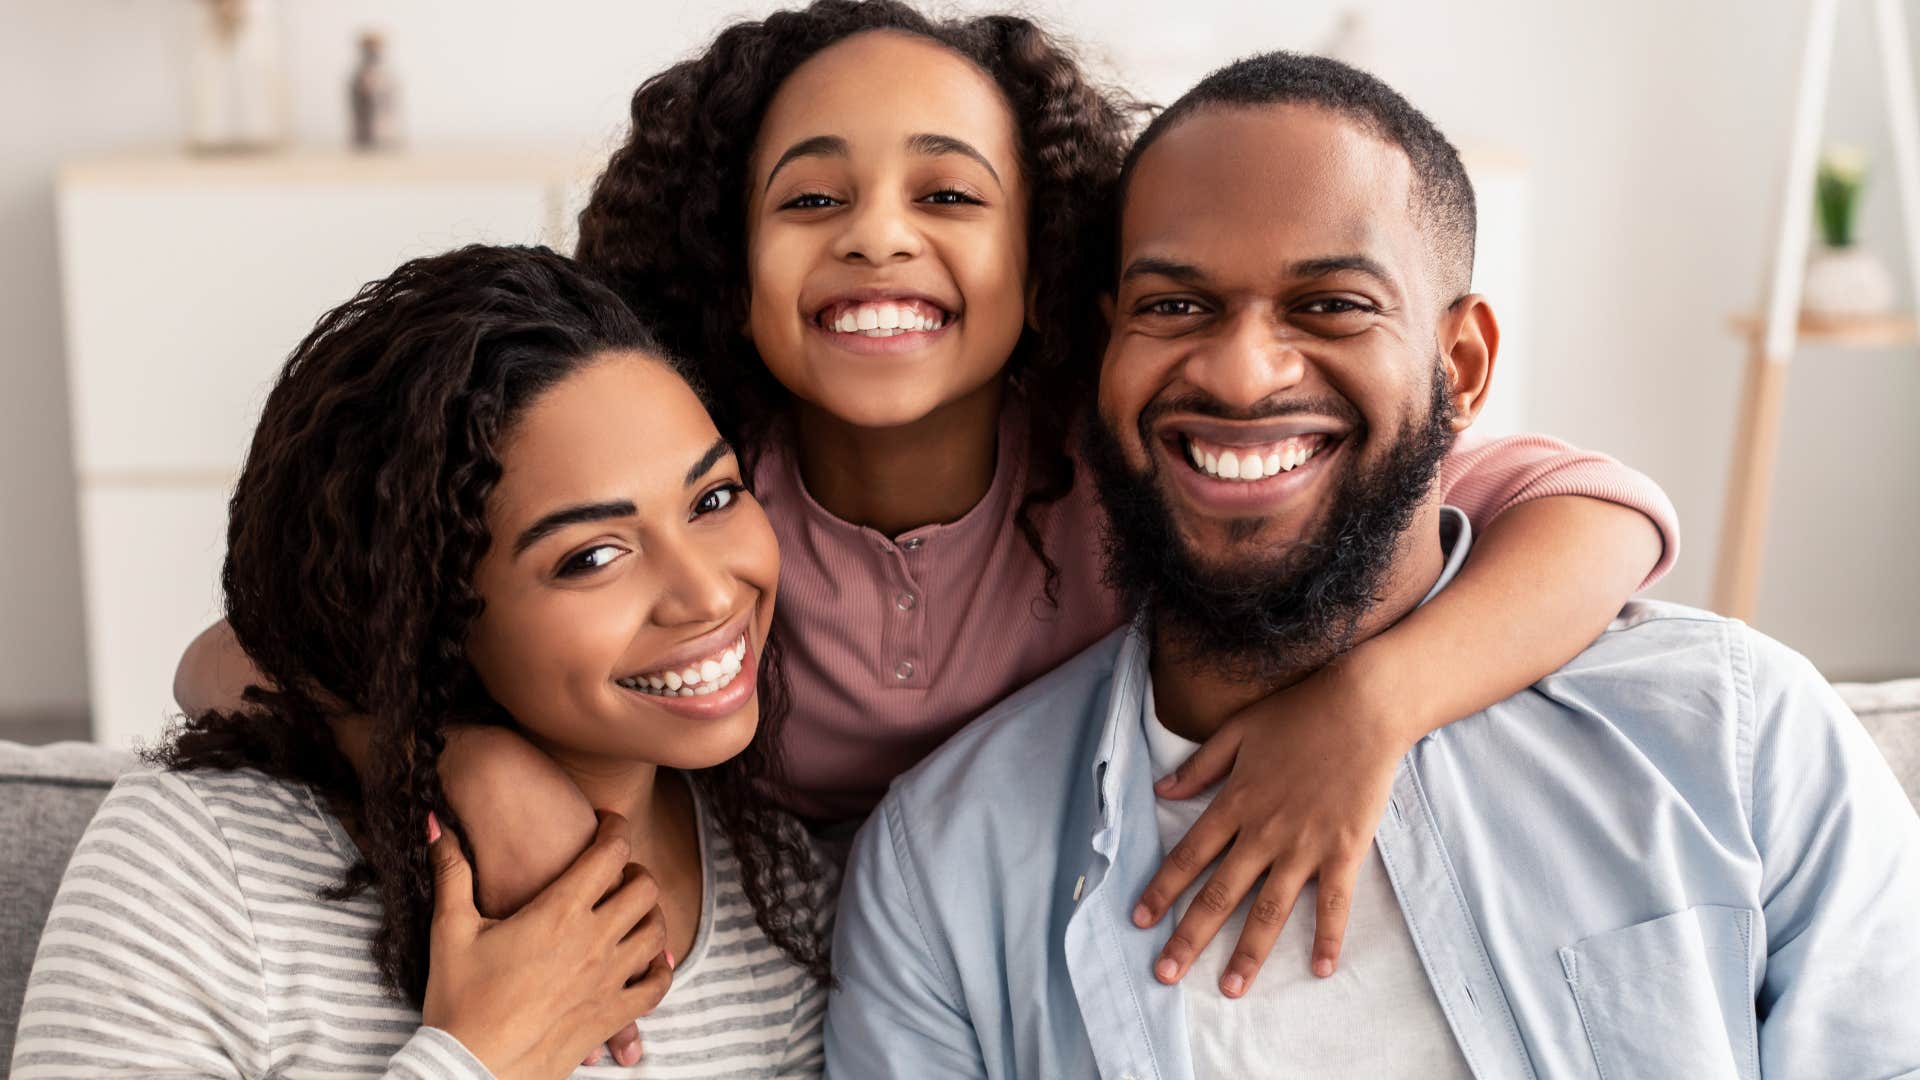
{"points": [[903, 670], [914, 543], [905, 601]]}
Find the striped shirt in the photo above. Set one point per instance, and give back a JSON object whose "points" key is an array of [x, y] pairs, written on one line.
{"points": [[899, 641], [188, 940]]}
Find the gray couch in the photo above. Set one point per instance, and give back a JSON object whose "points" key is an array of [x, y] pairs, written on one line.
{"points": [[48, 793]]}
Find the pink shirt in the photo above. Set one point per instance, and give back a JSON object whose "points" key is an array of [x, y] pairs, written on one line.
{"points": [[894, 643]]}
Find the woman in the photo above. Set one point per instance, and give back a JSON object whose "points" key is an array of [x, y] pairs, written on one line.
{"points": [[449, 516]]}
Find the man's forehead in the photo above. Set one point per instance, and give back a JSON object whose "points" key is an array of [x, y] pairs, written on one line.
{"points": [[1273, 184]]}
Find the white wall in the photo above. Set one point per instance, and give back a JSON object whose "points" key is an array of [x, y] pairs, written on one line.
{"points": [[1656, 130]]}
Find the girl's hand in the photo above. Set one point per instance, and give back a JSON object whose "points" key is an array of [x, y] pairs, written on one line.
{"points": [[1311, 770], [532, 995]]}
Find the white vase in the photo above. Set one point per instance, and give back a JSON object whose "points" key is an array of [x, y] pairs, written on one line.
{"points": [[1846, 283], [237, 95]]}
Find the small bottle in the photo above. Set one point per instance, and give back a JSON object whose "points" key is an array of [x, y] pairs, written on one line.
{"points": [[372, 96]]}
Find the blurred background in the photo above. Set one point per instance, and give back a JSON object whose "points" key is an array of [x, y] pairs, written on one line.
{"points": [[1630, 157]]}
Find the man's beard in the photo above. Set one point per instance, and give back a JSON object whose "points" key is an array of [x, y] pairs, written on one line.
{"points": [[1268, 615]]}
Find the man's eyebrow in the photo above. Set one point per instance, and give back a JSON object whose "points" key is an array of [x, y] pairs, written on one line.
{"points": [[572, 515], [1154, 266], [720, 448], [1334, 264], [816, 146], [935, 145]]}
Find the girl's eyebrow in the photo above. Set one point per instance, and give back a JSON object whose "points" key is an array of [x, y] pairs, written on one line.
{"points": [[720, 448], [925, 143], [937, 145]]}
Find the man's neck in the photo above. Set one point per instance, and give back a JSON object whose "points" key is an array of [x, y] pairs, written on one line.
{"points": [[894, 480], [1193, 700]]}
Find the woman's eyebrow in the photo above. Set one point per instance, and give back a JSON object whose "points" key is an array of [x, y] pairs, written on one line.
{"points": [[816, 146], [572, 515], [935, 145], [720, 448]]}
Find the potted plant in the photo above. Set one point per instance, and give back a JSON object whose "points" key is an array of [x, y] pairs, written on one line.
{"points": [[1844, 280]]}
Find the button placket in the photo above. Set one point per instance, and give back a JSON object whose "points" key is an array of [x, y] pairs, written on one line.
{"points": [[904, 658]]}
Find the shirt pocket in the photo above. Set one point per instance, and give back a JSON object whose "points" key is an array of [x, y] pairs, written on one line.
{"points": [[1669, 997]]}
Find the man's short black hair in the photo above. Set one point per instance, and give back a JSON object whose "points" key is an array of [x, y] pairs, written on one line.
{"points": [[1442, 194]]}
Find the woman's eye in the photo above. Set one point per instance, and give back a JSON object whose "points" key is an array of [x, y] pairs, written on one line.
{"points": [[586, 562], [718, 499], [952, 197], [810, 201]]}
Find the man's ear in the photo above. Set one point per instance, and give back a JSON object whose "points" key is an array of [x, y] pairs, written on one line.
{"points": [[1469, 341]]}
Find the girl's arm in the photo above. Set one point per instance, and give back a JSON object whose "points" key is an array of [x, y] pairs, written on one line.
{"points": [[1562, 540]]}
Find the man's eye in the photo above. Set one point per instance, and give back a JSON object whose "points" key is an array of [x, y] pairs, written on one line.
{"points": [[952, 197], [1174, 308], [810, 201], [586, 562], [717, 500], [1336, 306]]}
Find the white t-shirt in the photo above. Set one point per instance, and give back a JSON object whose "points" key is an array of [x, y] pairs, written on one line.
{"points": [[1375, 1017]]}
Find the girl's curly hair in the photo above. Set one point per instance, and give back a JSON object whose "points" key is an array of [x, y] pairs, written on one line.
{"points": [[355, 531], [666, 222]]}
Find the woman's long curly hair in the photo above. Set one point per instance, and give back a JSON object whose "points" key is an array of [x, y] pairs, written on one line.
{"points": [[666, 223], [355, 531]]}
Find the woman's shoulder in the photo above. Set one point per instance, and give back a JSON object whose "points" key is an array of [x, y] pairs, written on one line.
{"points": [[250, 816]]}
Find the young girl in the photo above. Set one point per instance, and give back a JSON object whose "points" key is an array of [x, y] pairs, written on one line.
{"points": [[449, 517], [882, 239]]}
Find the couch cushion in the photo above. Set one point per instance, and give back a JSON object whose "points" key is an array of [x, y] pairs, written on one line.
{"points": [[47, 796], [1891, 713]]}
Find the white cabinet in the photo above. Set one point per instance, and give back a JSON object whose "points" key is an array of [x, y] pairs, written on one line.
{"points": [[187, 282]]}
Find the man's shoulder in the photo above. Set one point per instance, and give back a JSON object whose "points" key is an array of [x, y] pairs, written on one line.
{"points": [[1022, 755]]}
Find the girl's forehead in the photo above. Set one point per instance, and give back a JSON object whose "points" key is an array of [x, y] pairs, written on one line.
{"points": [[881, 87]]}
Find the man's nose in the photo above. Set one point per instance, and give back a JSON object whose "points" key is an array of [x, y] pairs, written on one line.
{"points": [[1249, 359], [878, 231]]}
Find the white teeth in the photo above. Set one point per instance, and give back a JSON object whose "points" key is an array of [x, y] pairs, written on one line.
{"points": [[1248, 465], [869, 318], [849, 322], [889, 317], [705, 677], [885, 319]]}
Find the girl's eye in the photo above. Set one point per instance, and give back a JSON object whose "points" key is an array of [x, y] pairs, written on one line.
{"points": [[952, 197], [1336, 306], [810, 201], [718, 499], [586, 562]]}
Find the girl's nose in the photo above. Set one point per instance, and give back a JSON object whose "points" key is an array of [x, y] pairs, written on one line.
{"points": [[879, 231]]}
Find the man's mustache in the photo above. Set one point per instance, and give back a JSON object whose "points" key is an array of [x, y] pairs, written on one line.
{"points": [[1198, 404]]}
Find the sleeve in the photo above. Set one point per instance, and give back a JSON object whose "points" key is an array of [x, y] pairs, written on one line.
{"points": [[1486, 477], [897, 1009], [149, 967], [1840, 853]]}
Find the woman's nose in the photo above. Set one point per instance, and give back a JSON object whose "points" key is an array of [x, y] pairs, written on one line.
{"points": [[699, 588]]}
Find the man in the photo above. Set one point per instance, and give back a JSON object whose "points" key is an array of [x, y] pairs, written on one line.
{"points": [[1678, 856]]}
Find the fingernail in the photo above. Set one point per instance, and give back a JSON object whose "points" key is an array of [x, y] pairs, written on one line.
{"points": [[1166, 969], [628, 1055], [433, 827], [1233, 984], [1142, 917], [1323, 967], [670, 963], [1166, 781], [593, 1058]]}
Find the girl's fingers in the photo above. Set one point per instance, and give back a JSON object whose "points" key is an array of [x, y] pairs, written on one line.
{"points": [[1203, 843], [1208, 766], [1268, 916], [1337, 881], [1215, 901]]}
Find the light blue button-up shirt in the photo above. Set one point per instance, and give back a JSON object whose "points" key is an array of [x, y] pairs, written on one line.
{"points": [[1678, 856]]}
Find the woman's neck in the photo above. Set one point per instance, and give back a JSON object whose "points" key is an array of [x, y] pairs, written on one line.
{"points": [[658, 813], [894, 480]]}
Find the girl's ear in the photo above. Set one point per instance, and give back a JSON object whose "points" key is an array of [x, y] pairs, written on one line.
{"points": [[1106, 310], [1469, 341]]}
